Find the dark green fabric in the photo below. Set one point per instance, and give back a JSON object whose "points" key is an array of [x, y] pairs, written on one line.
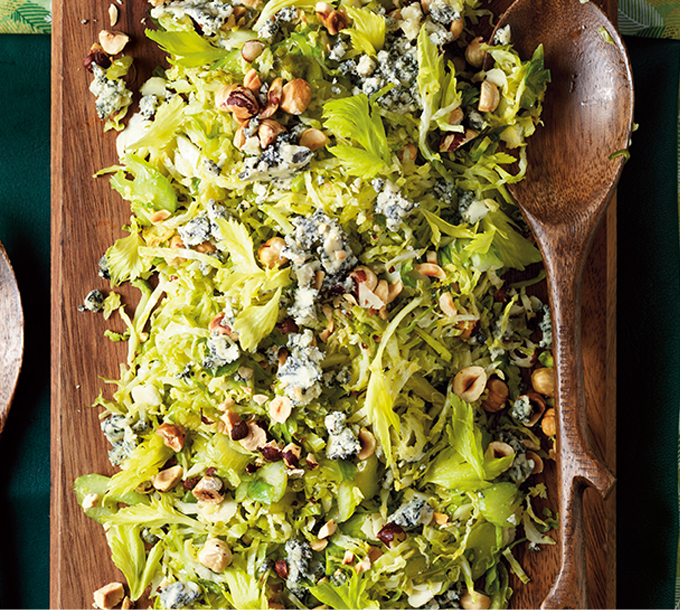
{"points": [[25, 233], [649, 336], [648, 327]]}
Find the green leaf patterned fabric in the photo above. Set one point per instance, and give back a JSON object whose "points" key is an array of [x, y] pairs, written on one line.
{"points": [[25, 16]]}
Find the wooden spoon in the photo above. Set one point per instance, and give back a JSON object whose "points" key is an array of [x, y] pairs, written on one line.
{"points": [[570, 178], [11, 335]]}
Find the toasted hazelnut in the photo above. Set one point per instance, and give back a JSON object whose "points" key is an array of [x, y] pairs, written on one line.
{"points": [[537, 460], [456, 28], [363, 565], [374, 553], [497, 395], [209, 489], [313, 139], [348, 558], [274, 95], [334, 21], [239, 100], [215, 554], [543, 381], [446, 304], [168, 478], [255, 439], [364, 275], [113, 15], [235, 427], [409, 153], [312, 462], [251, 50], [489, 97], [440, 519], [382, 290], [271, 452], [291, 455], [109, 596], [368, 444], [280, 408], [498, 449], [453, 141], [473, 600], [127, 604], [173, 436], [549, 423], [252, 81], [456, 117], [469, 383], [431, 270], [319, 545], [474, 54], [159, 216], [268, 131], [96, 56], [269, 252], [295, 96], [328, 529], [394, 291], [113, 42]]}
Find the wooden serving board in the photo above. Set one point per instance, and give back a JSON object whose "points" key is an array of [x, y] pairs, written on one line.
{"points": [[86, 219]]}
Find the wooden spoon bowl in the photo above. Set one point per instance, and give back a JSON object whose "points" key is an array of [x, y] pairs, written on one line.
{"points": [[574, 163], [11, 335]]}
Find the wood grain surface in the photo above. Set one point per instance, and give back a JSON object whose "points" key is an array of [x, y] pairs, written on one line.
{"points": [[11, 335], [86, 219]]}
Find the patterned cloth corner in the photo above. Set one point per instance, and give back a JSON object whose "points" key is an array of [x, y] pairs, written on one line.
{"points": [[25, 16]]}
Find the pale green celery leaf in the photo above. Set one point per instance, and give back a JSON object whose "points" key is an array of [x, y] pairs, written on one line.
{"points": [[349, 496], [124, 260], [144, 462], [367, 31], [274, 6], [514, 250], [350, 595], [129, 555], [360, 163], [256, 322], [237, 240], [357, 119], [160, 512], [380, 403], [466, 436], [149, 190], [484, 542], [167, 122], [220, 450], [188, 48], [451, 471], [246, 592]]}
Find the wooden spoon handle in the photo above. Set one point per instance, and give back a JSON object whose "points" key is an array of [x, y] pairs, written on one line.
{"points": [[578, 464]]}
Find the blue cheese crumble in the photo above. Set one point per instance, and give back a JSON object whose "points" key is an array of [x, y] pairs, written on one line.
{"points": [[301, 373], [413, 514], [522, 410], [393, 205], [299, 559], [196, 231], [221, 351], [180, 595], [209, 16], [112, 94], [343, 444], [94, 301]]}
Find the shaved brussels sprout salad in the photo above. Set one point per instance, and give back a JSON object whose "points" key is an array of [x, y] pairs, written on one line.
{"points": [[338, 393]]}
